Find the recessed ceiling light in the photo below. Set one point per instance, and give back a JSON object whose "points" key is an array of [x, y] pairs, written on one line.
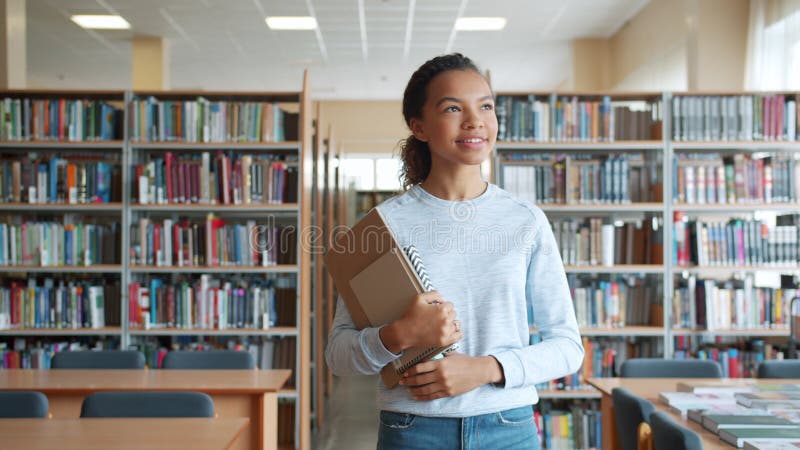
{"points": [[292, 23], [101, 22], [480, 23]]}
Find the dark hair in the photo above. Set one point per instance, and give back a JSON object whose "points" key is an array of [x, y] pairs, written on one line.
{"points": [[415, 154]]}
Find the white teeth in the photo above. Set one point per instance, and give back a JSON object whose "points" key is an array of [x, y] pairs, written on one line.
{"points": [[473, 141]]}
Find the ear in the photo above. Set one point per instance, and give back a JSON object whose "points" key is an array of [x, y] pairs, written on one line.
{"points": [[417, 130]]}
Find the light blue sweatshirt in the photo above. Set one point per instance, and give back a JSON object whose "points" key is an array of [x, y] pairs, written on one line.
{"points": [[490, 256]]}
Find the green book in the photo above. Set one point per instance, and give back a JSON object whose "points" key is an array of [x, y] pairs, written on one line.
{"points": [[737, 436], [715, 422]]}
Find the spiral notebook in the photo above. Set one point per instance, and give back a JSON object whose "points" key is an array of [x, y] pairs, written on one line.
{"points": [[377, 281]]}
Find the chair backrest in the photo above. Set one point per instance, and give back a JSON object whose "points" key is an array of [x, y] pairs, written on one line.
{"points": [[629, 410], [787, 368], [102, 359], [670, 368], [670, 435], [147, 404], [23, 404], [215, 359]]}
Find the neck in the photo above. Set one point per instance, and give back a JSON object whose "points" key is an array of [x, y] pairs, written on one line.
{"points": [[455, 183]]}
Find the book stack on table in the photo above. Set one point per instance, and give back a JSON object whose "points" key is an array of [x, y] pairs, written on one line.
{"points": [[754, 417]]}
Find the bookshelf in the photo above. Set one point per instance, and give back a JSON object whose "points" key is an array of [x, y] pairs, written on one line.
{"points": [[115, 140], [61, 219], [541, 137]]}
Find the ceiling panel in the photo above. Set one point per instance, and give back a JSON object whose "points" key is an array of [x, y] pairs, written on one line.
{"points": [[225, 44]]}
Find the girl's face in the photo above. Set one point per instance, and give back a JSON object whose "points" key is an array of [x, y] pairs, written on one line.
{"points": [[458, 119]]}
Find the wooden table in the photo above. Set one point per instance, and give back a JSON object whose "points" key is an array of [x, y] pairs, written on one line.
{"points": [[120, 434], [236, 393], [649, 388]]}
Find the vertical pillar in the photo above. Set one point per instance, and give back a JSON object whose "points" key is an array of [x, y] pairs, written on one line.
{"points": [[150, 65], [590, 64], [13, 63]]}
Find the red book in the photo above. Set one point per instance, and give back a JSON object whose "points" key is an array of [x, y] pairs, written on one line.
{"points": [[169, 161], [62, 112], [134, 309]]}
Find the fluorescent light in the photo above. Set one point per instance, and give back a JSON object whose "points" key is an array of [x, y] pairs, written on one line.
{"points": [[101, 22], [292, 23], [480, 23]]}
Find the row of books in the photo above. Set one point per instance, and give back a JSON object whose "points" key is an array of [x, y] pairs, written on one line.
{"points": [[616, 302], [760, 117], [59, 119], [59, 244], [228, 179], [700, 178], [63, 305], [213, 303], [580, 427], [736, 241], [564, 179], [603, 357], [713, 304], [212, 243], [72, 180], [591, 242], [25, 353], [755, 349], [202, 120], [560, 119]]}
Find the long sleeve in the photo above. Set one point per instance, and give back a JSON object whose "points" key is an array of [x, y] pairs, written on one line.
{"points": [[354, 352], [560, 351]]}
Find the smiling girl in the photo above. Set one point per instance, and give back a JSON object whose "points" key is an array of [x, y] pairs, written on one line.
{"points": [[490, 255]]}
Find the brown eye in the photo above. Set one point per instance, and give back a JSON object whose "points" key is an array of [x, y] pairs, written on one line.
{"points": [[451, 109]]}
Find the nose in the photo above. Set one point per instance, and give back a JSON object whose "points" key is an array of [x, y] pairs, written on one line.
{"points": [[472, 121]]}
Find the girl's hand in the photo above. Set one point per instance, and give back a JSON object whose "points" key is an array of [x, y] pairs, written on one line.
{"points": [[452, 375], [429, 321]]}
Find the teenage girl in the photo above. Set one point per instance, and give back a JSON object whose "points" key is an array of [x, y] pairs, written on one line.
{"points": [[489, 255]]}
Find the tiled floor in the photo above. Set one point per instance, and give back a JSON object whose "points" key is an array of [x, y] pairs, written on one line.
{"points": [[352, 420]]}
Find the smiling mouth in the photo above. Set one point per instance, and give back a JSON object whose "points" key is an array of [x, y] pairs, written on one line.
{"points": [[471, 141]]}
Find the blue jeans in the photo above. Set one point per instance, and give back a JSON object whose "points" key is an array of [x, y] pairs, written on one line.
{"points": [[510, 429]]}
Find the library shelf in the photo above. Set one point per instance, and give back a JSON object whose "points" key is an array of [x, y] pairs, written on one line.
{"points": [[282, 268], [622, 268], [168, 146], [59, 145], [734, 208], [570, 394], [734, 269], [632, 330], [734, 332], [737, 145], [61, 207], [200, 207], [106, 331], [273, 331], [602, 207], [97, 268], [578, 145]]}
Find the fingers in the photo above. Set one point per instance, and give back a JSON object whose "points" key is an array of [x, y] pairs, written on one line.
{"points": [[424, 367], [419, 380]]}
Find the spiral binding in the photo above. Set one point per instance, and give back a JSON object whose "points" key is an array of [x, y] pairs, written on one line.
{"points": [[419, 268]]}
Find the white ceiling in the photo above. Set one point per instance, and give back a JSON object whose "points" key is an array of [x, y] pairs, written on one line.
{"points": [[225, 44]]}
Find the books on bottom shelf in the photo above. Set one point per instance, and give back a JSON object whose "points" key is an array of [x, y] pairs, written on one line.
{"points": [[26, 354], [579, 427]]}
